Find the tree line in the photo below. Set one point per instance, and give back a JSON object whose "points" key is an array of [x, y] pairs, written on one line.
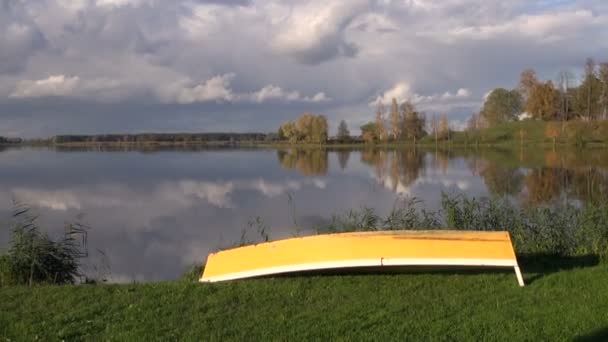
{"points": [[404, 123], [547, 100], [5, 140], [160, 138]]}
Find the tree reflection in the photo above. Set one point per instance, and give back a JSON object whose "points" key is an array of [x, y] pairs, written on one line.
{"points": [[396, 167], [502, 181], [589, 185], [343, 156], [544, 185], [309, 162]]}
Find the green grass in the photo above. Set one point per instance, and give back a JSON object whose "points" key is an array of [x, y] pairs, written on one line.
{"points": [[562, 250], [556, 306], [533, 132]]}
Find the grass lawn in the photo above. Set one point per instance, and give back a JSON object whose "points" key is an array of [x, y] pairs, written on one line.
{"points": [[556, 305]]}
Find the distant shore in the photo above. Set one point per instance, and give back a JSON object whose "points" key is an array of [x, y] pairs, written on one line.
{"points": [[512, 134]]}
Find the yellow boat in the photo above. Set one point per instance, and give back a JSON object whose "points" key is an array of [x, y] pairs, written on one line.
{"points": [[364, 249]]}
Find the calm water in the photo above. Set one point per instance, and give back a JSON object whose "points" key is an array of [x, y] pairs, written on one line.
{"points": [[154, 213]]}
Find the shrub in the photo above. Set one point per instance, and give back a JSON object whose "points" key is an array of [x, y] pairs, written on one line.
{"points": [[555, 229], [35, 258]]}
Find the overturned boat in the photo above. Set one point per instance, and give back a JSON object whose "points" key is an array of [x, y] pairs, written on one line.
{"points": [[363, 250]]}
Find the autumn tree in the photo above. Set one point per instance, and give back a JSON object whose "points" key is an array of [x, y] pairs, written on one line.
{"points": [[543, 102], [502, 105], [527, 82], [604, 93], [308, 128], [304, 127], [369, 132], [290, 132], [380, 126], [444, 128], [343, 132], [318, 133], [395, 119], [414, 125]]}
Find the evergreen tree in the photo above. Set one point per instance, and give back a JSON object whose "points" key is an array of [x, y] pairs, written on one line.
{"points": [[343, 133]]}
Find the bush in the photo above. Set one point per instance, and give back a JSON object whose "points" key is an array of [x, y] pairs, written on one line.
{"points": [[34, 258], [556, 229]]}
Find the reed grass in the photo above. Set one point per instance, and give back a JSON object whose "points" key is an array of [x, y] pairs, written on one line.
{"points": [[34, 258], [558, 228]]}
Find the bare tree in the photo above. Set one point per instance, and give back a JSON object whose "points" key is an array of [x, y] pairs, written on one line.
{"points": [[396, 119], [589, 74], [380, 127], [604, 95], [434, 127]]}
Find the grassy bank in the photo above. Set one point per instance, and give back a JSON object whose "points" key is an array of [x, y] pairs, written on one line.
{"points": [[562, 250], [556, 305], [532, 132]]}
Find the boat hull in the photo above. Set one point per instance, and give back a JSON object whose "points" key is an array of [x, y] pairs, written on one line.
{"points": [[364, 250]]}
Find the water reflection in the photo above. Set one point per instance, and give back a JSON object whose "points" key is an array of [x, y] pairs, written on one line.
{"points": [[309, 162], [398, 169], [155, 213]]}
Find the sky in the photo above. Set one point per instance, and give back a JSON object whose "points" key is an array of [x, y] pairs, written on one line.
{"points": [[127, 66]]}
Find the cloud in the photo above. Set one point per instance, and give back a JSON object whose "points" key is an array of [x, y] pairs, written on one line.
{"points": [[18, 40], [167, 196], [55, 85], [315, 32], [544, 28], [402, 91], [173, 71], [55, 200], [271, 92], [218, 89]]}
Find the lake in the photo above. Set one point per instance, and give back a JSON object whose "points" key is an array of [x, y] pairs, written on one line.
{"points": [[155, 212]]}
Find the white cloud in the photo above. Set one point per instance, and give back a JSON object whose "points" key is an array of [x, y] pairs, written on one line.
{"points": [[315, 32], [271, 92], [166, 196], [544, 27], [215, 193], [216, 88], [402, 91], [120, 3], [55, 85], [284, 53], [55, 200]]}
